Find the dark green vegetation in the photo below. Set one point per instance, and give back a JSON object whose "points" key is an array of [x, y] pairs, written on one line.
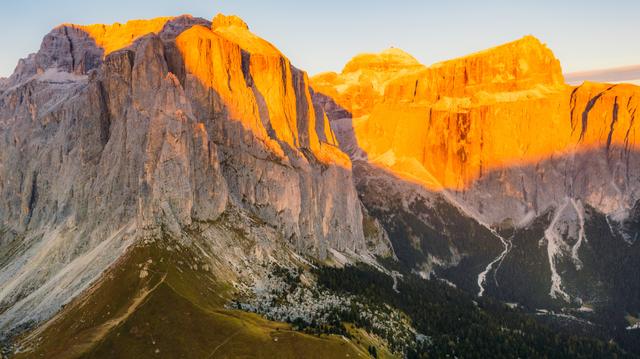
{"points": [[607, 282], [460, 325], [420, 228], [524, 275], [334, 323], [376, 318], [604, 290], [327, 312]]}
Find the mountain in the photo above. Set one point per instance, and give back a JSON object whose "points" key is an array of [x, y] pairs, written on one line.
{"points": [[176, 187], [629, 74], [116, 136], [491, 172], [469, 123], [362, 82]]}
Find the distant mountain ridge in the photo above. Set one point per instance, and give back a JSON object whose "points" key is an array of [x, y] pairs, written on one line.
{"points": [[624, 74], [503, 107]]}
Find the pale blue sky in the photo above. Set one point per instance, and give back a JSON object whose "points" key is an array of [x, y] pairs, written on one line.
{"points": [[322, 35]]}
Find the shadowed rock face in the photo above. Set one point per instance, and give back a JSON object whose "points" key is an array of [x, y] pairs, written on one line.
{"points": [[111, 134]]}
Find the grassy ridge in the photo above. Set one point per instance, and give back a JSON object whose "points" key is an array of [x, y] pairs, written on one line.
{"points": [[156, 303]]}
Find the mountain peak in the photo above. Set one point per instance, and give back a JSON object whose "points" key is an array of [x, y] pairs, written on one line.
{"points": [[525, 62], [234, 29], [364, 78], [390, 59], [117, 35], [519, 47], [81, 48], [156, 126], [222, 20]]}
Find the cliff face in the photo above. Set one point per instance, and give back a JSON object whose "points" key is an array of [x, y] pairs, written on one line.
{"points": [[283, 162], [114, 134], [502, 110], [519, 65]]}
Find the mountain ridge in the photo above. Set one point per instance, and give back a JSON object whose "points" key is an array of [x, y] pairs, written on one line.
{"points": [[188, 161], [146, 145], [420, 92]]}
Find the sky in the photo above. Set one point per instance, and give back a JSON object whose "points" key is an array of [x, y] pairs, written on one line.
{"points": [[322, 35]]}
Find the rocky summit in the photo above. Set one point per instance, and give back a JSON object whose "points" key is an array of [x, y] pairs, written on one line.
{"points": [[176, 187]]}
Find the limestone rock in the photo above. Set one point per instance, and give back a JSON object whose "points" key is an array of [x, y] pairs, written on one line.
{"points": [[113, 134], [502, 123], [362, 82], [81, 48], [221, 21], [263, 116]]}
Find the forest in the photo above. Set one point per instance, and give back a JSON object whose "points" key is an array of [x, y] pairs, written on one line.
{"points": [[460, 325]]}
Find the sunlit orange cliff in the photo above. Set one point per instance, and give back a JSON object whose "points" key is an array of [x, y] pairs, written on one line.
{"points": [[263, 90], [449, 124]]}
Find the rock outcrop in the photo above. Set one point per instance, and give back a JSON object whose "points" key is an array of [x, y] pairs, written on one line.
{"points": [[110, 135]]}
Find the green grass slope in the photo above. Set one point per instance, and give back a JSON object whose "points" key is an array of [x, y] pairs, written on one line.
{"points": [[159, 302]]}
